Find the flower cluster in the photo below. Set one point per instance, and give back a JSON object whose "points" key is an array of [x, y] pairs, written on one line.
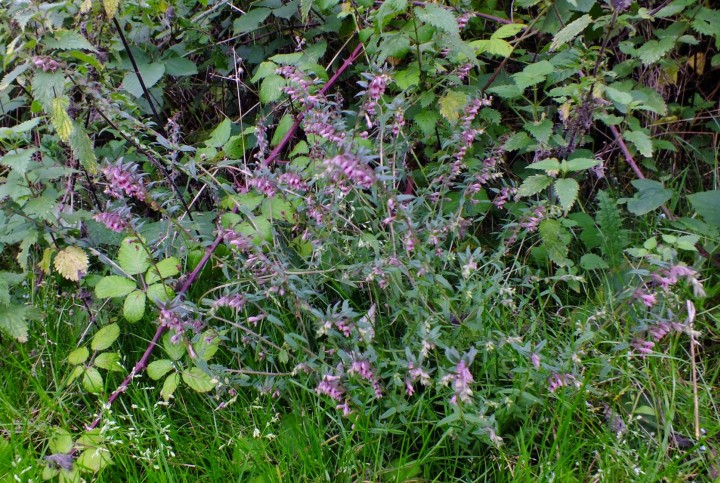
{"points": [[170, 319], [45, 63], [238, 240], [468, 135], [298, 87], [364, 369], [123, 178], [556, 381], [113, 220], [461, 378], [375, 90], [235, 302], [353, 169]]}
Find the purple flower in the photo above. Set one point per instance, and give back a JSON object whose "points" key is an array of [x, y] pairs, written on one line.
{"points": [[331, 386], [235, 302], [122, 178], [646, 298], [353, 168], [535, 360], [556, 381], [112, 220], [643, 347]]}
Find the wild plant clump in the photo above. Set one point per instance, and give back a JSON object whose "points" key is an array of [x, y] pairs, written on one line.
{"points": [[466, 216]]}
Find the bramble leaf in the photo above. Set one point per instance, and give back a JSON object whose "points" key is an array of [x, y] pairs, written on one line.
{"points": [[134, 306], [105, 337], [169, 386], [132, 256], [198, 380], [71, 263], [114, 286], [92, 381]]}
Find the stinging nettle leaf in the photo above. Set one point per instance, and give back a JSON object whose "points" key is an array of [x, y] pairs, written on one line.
{"points": [[534, 184], [571, 30], [18, 160], [641, 141], [82, 148], [61, 119], [252, 20], [439, 17], [508, 30], [566, 190], [707, 205], [68, 40]]}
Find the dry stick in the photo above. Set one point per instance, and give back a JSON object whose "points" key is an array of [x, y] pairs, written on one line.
{"points": [[142, 363], [631, 161]]}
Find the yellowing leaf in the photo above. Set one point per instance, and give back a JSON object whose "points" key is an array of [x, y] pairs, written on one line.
{"points": [[86, 6], [452, 105], [71, 263], [44, 264], [111, 7], [60, 118]]}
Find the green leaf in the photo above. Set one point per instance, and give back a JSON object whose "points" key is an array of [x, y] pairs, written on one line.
{"points": [[305, 7], [60, 118], [46, 86], [590, 261], [707, 205], [204, 349], [92, 381], [271, 88], [452, 105], [439, 17], [180, 67], [151, 75], [393, 45], [498, 47], [540, 130], [534, 184], [174, 351], [93, 459], [427, 122], [114, 286], [13, 74], [159, 293], [132, 256], [388, 10], [134, 306], [641, 141], [580, 164], [650, 196], [567, 192], [23, 127], [407, 78], [111, 7], [550, 165], [616, 95], [263, 70], [18, 160], [198, 380], [533, 74], [82, 148], [78, 356], [169, 267], [220, 134], [169, 386], [157, 369], [282, 129], [105, 337], [60, 441], [68, 40], [252, 20], [110, 361], [556, 240], [508, 30], [653, 50], [570, 31], [13, 320]]}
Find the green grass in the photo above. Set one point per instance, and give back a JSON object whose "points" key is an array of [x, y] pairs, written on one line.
{"points": [[299, 437]]}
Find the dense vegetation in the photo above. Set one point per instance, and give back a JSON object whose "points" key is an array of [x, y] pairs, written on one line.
{"points": [[311, 240]]}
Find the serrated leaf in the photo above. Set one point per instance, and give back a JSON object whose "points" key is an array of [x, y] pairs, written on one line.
{"points": [[159, 293], [271, 88], [134, 306], [427, 122], [68, 40], [570, 31], [157, 369], [132, 256], [395, 45], [23, 127], [13, 74], [439, 17], [616, 95], [198, 380], [78, 356], [452, 105], [653, 50], [282, 129], [13, 321], [556, 240], [92, 381], [174, 351], [566, 190], [533, 74], [111, 7], [60, 119], [581, 164], [590, 261], [180, 67], [82, 148], [47, 86], [517, 141], [220, 134], [61, 441], [549, 165], [169, 267], [110, 361], [71, 263], [541, 130], [105, 337], [151, 75], [18, 160], [93, 459], [252, 20], [114, 286], [76, 372], [650, 196], [707, 205], [534, 184], [169, 386], [498, 47], [508, 30], [407, 78], [641, 141]]}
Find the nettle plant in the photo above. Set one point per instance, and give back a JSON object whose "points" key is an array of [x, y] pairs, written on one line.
{"points": [[409, 178]]}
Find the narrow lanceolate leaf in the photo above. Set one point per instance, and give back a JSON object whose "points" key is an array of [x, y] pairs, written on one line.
{"points": [[71, 263], [567, 190], [571, 30], [82, 148], [111, 7], [61, 119]]}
